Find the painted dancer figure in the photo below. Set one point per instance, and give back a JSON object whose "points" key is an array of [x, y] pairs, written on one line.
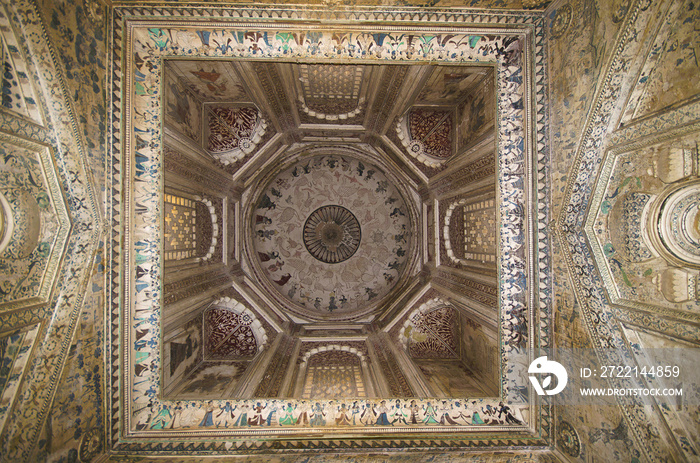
{"points": [[208, 419], [398, 414], [429, 414], [445, 417], [272, 415], [161, 420], [227, 412], [382, 419], [257, 419], [461, 415], [177, 414], [510, 418], [341, 419], [242, 419], [318, 416], [413, 407], [355, 412], [368, 416], [303, 418], [288, 418]]}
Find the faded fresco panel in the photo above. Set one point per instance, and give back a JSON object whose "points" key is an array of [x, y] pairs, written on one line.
{"points": [[476, 116], [451, 378], [76, 419], [211, 80], [581, 36], [670, 75], [481, 353], [182, 351], [212, 380], [182, 110]]}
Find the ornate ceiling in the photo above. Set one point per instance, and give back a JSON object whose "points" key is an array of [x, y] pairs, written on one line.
{"points": [[351, 211], [547, 165]]}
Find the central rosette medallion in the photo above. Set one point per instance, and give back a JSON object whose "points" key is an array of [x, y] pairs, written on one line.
{"points": [[332, 234]]}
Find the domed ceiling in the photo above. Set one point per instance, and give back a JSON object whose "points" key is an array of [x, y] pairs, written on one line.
{"points": [[332, 235]]}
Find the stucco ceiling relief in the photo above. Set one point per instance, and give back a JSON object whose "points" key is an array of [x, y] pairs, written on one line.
{"points": [[232, 331], [332, 92], [430, 331]]}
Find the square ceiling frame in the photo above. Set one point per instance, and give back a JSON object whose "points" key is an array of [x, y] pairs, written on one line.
{"points": [[150, 34]]}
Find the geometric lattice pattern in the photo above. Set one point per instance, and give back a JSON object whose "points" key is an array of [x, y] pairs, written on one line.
{"points": [[333, 382], [333, 375], [337, 81], [480, 231], [179, 232]]}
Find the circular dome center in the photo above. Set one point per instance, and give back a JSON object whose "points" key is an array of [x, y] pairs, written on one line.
{"points": [[332, 234]]}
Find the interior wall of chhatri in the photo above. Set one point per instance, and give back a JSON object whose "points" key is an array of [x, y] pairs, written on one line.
{"points": [[621, 88]]}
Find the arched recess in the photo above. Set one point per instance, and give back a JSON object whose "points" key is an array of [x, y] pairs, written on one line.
{"points": [[469, 231], [431, 331], [232, 331], [190, 228], [427, 134], [334, 371], [233, 132]]}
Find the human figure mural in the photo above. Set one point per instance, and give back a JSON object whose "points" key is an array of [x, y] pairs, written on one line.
{"points": [[231, 414]]}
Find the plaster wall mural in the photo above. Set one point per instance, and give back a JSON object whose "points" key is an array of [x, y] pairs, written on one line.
{"points": [[169, 288], [637, 29], [210, 80], [62, 157]]}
